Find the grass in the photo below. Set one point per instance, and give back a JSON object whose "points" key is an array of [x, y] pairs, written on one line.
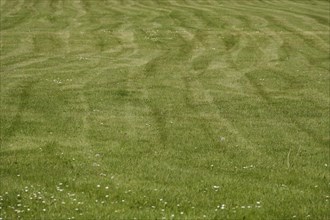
{"points": [[165, 109]]}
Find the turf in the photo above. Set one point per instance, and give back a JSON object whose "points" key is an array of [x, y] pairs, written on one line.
{"points": [[154, 109]]}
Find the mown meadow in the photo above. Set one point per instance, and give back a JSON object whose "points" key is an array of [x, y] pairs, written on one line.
{"points": [[165, 109]]}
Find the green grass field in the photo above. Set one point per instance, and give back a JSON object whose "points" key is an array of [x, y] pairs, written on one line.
{"points": [[165, 109]]}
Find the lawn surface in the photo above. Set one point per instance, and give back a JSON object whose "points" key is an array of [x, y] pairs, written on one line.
{"points": [[151, 109]]}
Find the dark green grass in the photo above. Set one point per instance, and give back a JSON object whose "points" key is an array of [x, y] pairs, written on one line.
{"points": [[165, 109]]}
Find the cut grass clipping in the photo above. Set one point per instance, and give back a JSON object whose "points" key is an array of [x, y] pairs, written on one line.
{"points": [[165, 109]]}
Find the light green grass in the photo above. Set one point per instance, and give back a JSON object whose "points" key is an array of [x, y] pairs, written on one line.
{"points": [[152, 109]]}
